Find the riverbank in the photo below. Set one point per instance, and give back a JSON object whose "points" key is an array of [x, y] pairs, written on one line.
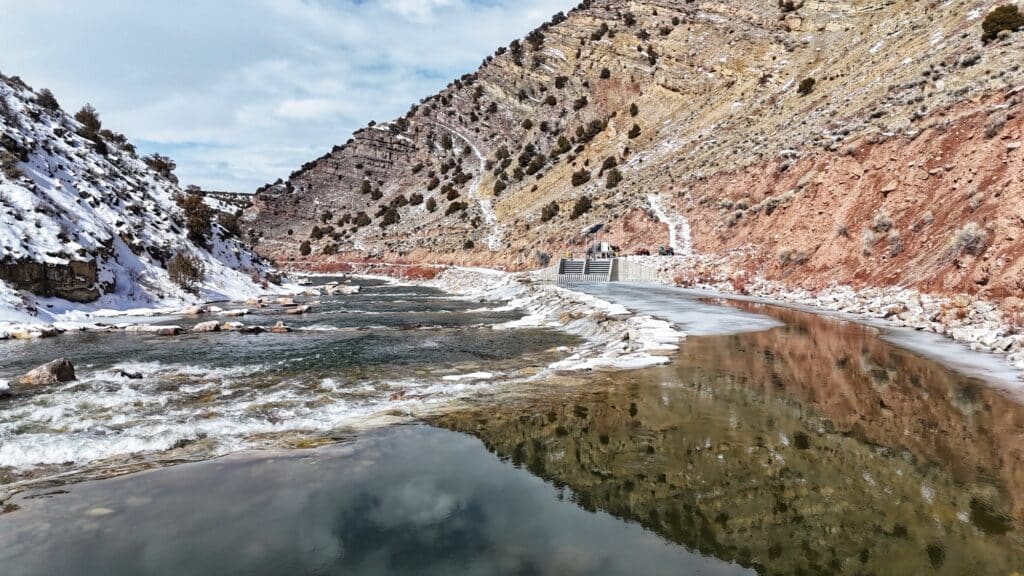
{"points": [[614, 337], [971, 333], [979, 325]]}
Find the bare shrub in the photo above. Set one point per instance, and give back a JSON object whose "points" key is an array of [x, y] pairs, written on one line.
{"points": [[895, 243], [186, 271], [868, 239], [971, 239], [549, 212], [882, 223], [198, 216], [581, 207]]}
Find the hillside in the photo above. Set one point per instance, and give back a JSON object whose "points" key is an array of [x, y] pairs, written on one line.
{"points": [[896, 165], [84, 221]]}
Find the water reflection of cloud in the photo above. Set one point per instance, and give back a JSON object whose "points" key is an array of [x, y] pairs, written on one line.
{"points": [[408, 501]]}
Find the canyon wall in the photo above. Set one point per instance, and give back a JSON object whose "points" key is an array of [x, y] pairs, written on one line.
{"points": [[899, 163]]}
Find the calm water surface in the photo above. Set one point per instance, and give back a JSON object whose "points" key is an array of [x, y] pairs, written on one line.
{"points": [[809, 448]]}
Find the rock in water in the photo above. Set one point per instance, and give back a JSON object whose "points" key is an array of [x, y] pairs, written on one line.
{"points": [[159, 330], [212, 326], [280, 328], [60, 370]]}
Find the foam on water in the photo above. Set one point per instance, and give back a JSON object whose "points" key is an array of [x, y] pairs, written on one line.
{"points": [[106, 415]]}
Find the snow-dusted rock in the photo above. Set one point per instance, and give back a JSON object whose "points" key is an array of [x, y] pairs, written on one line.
{"points": [[211, 326], [339, 290], [53, 372], [158, 330]]}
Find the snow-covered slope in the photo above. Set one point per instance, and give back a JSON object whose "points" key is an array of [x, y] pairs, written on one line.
{"points": [[65, 199]]}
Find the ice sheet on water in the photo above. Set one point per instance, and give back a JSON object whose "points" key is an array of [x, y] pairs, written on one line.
{"points": [[686, 311], [989, 367]]}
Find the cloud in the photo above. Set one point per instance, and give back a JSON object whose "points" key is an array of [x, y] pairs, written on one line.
{"points": [[307, 108], [416, 10], [242, 92]]}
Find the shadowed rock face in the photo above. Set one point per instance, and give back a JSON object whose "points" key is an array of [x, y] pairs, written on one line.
{"points": [[910, 116], [809, 449], [75, 281]]}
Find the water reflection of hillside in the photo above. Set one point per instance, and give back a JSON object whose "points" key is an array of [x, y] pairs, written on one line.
{"points": [[810, 449]]}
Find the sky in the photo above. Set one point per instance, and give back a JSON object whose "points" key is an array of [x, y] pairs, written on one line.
{"points": [[242, 92]]}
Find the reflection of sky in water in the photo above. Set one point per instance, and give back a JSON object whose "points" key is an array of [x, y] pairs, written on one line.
{"points": [[410, 500]]}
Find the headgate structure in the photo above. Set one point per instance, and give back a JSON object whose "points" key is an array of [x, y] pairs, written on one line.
{"points": [[575, 270]]}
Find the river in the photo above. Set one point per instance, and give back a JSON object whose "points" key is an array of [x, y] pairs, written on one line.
{"points": [[794, 444]]}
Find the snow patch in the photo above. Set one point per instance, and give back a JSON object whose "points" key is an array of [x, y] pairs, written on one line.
{"points": [[678, 227]]}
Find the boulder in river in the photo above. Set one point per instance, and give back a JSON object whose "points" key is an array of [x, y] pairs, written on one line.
{"points": [[280, 328], [154, 329], [251, 330], [193, 310], [235, 313], [232, 326], [342, 290], [53, 372], [129, 375], [32, 332], [211, 326], [297, 310]]}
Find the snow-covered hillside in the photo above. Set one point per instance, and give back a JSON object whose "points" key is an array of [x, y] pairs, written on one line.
{"points": [[67, 199]]}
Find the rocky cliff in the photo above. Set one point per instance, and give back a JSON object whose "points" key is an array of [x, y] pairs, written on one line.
{"points": [[83, 218], [865, 142]]}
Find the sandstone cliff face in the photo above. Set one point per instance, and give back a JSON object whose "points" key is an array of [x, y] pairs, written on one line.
{"points": [[74, 281], [911, 117]]}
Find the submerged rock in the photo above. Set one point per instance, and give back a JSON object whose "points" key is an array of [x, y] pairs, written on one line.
{"points": [[251, 330], [53, 372], [129, 375]]}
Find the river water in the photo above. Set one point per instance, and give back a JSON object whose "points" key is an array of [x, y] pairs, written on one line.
{"points": [[806, 446]]}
